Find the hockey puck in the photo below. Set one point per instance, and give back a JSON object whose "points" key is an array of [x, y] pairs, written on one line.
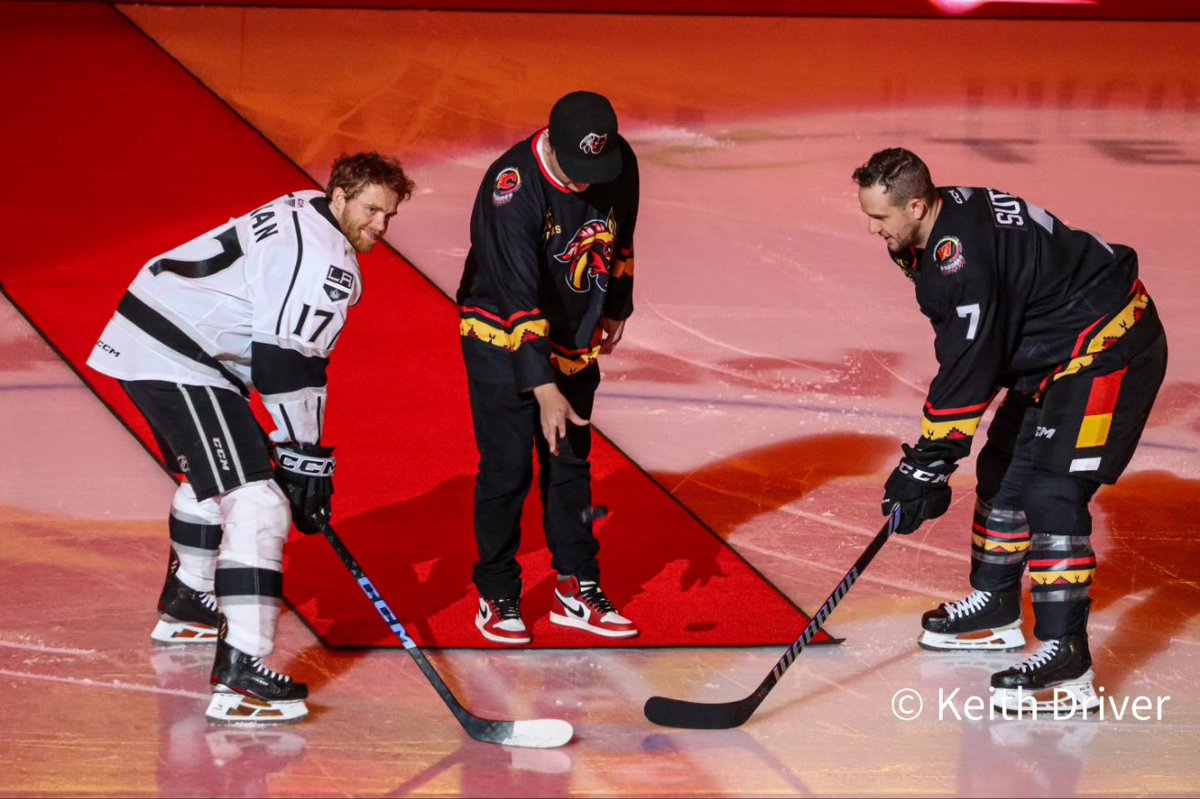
{"points": [[594, 513]]}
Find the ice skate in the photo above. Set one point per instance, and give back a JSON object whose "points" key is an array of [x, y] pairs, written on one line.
{"points": [[186, 616], [1056, 680], [984, 621], [245, 690]]}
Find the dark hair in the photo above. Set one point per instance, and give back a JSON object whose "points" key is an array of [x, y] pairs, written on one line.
{"points": [[353, 173], [901, 173]]}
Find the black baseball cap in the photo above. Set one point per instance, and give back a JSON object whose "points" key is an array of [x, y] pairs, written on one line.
{"points": [[583, 132]]}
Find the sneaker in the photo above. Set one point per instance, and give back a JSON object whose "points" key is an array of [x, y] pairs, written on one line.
{"points": [[499, 620], [1058, 677], [983, 621], [582, 604], [185, 615], [245, 690]]}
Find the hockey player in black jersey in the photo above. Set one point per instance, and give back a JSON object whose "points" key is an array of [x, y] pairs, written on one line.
{"points": [[547, 287], [256, 304], [1059, 319]]}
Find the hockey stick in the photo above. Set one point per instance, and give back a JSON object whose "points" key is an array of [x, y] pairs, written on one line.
{"points": [[535, 733], [724, 715]]}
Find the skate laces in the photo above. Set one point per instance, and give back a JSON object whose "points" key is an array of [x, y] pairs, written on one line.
{"points": [[971, 604], [591, 593], [508, 608], [262, 669], [1041, 657], [208, 600]]}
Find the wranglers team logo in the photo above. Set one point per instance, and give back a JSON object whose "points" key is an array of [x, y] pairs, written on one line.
{"points": [[948, 253], [593, 143], [589, 255]]}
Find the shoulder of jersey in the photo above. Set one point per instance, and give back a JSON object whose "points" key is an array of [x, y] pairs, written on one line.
{"points": [[512, 175], [948, 251]]}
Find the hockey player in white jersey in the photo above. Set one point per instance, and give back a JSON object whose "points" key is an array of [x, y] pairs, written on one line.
{"points": [[256, 304]]}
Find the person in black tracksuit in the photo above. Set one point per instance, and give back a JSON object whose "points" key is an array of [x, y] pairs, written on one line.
{"points": [[547, 287], [1059, 319]]}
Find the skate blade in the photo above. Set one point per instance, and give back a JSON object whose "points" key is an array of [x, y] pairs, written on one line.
{"points": [[229, 708], [169, 631], [1058, 701], [1001, 639]]}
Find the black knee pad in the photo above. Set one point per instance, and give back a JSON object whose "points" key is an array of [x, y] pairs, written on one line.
{"points": [[1058, 503]]}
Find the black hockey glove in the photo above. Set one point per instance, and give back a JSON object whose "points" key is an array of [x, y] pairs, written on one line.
{"points": [[921, 486], [305, 473]]}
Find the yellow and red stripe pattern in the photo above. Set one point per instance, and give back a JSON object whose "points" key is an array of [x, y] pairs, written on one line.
{"points": [[1108, 335], [571, 361], [999, 536], [1097, 418], [939, 424], [509, 334], [1062, 571]]}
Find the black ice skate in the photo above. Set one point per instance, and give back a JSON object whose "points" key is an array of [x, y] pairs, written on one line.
{"points": [[984, 621], [245, 690], [185, 615], [1057, 678]]}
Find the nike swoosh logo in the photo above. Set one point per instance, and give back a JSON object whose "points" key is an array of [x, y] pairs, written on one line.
{"points": [[578, 611]]}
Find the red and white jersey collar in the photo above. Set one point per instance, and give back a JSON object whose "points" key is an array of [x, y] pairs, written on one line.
{"points": [[541, 144]]}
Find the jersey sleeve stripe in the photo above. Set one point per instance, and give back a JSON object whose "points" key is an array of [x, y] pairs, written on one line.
{"points": [[277, 370]]}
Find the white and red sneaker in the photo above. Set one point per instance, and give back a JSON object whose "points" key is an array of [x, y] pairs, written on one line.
{"points": [[582, 604], [499, 620]]}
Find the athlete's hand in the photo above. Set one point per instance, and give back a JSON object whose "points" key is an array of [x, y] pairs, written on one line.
{"points": [[556, 411], [305, 473], [920, 484], [611, 331]]}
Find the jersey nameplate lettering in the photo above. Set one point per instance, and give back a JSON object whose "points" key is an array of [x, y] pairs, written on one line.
{"points": [[262, 224], [1006, 210]]}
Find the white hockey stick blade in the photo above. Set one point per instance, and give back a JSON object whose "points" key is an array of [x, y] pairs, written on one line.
{"points": [[531, 734]]}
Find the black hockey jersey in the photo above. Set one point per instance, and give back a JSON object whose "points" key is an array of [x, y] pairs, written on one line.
{"points": [[1017, 299], [545, 265]]}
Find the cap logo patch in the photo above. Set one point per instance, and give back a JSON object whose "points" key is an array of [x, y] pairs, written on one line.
{"points": [[593, 143], [949, 255], [508, 182]]}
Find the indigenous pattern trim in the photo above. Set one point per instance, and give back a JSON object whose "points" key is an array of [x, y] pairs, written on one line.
{"points": [[569, 362], [951, 423], [1088, 346], [509, 334]]}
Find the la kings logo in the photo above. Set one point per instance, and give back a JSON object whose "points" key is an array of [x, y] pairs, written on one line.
{"points": [[339, 284]]}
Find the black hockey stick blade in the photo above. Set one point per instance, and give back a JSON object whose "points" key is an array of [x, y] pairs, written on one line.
{"points": [[667, 712], [532, 733]]}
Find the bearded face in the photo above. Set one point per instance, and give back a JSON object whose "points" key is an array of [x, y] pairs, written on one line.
{"points": [[365, 217]]}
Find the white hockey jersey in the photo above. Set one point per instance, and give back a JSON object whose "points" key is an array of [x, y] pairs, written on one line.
{"points": [[257, 303]]}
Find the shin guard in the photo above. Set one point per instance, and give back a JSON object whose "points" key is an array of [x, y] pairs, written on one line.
{"points": [[249, 577], [999, 547], [195, 536], [1061, 568]]}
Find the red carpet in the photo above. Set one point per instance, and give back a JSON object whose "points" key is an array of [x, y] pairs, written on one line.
{"points": [[115, 153]]}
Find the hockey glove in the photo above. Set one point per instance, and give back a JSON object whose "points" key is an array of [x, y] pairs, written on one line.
{"points": [[305, 473], [921, 486]]}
